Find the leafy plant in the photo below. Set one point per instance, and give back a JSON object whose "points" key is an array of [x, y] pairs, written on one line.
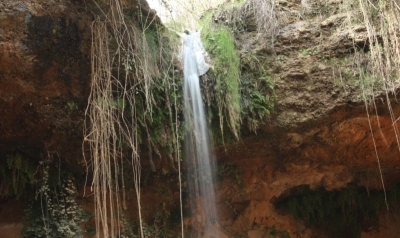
{"points": [[309, 51], [54, 213], [280, 58], [257, 95], [72, 106], [16, 174], [273, 232]]}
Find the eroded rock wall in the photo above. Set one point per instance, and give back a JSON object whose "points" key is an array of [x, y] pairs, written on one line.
{"points": [[44, 85]]}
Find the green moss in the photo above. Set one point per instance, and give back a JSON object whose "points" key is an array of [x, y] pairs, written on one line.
{"points": [[219, 42], [238, 89]]}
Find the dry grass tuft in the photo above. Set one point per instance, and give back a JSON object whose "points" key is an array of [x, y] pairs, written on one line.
{"points": [[263, 16]]}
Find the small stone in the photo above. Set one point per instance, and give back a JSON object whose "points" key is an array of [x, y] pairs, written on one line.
{"points": [[333, 20], [321, 66]]}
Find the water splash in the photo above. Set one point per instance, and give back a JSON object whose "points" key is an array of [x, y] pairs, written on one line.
{"points": [[200, 161]]}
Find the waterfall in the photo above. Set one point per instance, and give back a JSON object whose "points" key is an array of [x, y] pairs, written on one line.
{"points": [[200, 161]]}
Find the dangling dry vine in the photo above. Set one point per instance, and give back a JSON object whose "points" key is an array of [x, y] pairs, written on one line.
{"points": [[382, 19], [381, 74], [121, 102]]}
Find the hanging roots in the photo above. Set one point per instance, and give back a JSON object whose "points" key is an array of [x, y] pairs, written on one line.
{"points": [[379, 68], [123, 72]]}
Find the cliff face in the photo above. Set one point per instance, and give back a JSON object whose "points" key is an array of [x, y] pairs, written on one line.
{"points": [[318, 137], [45, 80]]}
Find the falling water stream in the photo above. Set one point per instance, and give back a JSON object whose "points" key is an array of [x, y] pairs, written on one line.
{"points": [[199, 160]]}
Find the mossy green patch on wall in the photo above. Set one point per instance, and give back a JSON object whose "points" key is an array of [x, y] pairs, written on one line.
{"points": [[219, 42], [239, 90]]}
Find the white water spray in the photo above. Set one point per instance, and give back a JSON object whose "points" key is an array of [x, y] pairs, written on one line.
{"points": [[199, 160]]}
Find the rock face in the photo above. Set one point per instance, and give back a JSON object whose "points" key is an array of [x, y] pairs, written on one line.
{"points": [[334, 153], [319, 136], [44, 76], [44, 85]]}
